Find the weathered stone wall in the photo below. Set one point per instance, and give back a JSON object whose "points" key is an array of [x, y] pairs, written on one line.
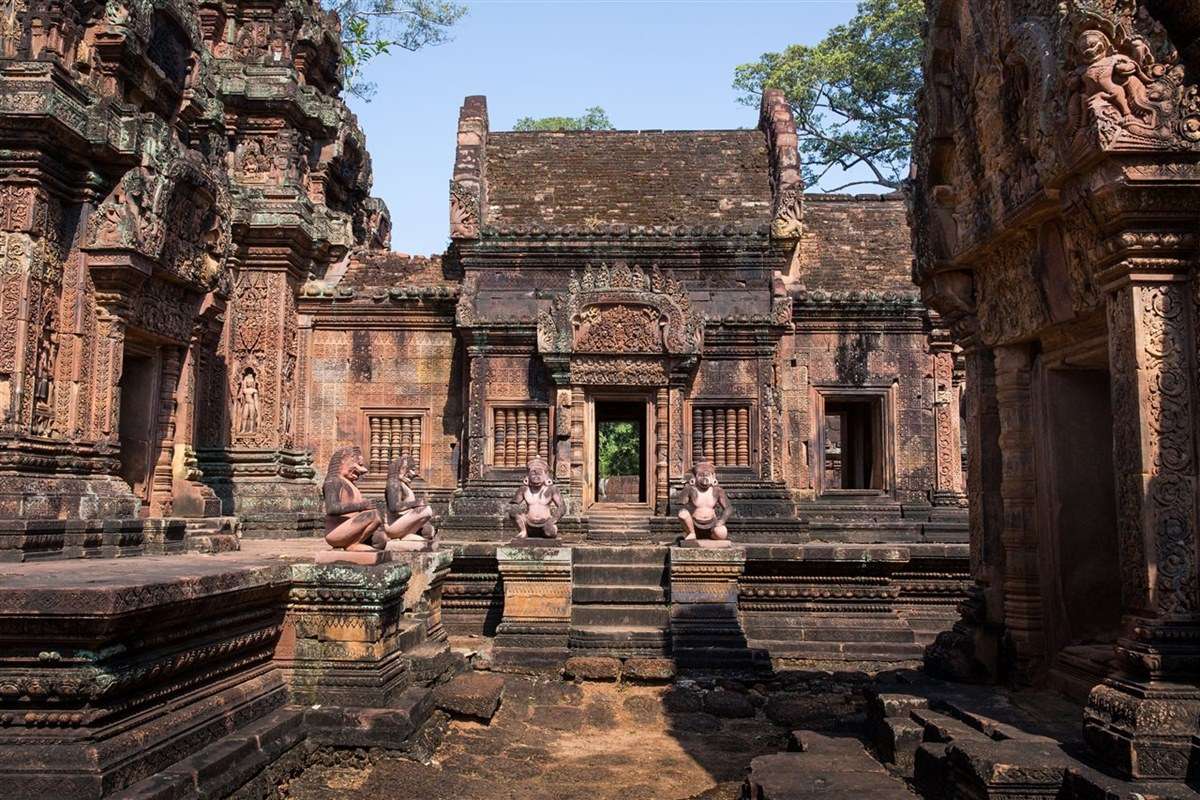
{"points": [[382, 347], [355, 373], [854, 242]]}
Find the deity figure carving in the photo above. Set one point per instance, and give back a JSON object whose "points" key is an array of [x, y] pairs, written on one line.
{"points": [[706, 509], [246, 411], [1107, 76], [43, 390], [409, 518], [537, 506], [350, 518]]}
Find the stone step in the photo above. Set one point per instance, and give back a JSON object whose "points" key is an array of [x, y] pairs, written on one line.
{"points": [[872, 651], [645, 616], [620, 641], [621, 555], [609, 595], [848, 632], [624, 538], [828, 768], [617, 575], [618, 529]]}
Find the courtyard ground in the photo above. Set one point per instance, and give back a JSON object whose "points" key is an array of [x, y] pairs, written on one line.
{"points": [[601, 741]]}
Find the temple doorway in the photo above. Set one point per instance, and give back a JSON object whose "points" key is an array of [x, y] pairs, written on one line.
{"points": [[139, 390], [619, 451]]}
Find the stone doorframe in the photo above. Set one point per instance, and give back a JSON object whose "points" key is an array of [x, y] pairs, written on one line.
{"points": [[651, 465], [618, 330]]}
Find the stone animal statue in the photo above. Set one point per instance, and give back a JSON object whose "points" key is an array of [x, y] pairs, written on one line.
{"points": [[409, 518], [706, 509], [537, 505], [350, 518]]}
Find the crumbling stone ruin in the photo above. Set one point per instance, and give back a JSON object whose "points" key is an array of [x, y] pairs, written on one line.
{"points": [[991, 472]]}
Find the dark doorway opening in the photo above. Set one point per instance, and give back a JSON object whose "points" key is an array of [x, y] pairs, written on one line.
{"points": [[139, 388], [852, 444], [1077, 503], [620, 452]]}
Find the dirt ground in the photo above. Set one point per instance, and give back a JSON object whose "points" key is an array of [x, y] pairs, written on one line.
{"points": [[594, 741]]}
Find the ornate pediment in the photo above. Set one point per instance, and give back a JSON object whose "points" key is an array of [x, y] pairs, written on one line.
{"points": [[621, 310]]}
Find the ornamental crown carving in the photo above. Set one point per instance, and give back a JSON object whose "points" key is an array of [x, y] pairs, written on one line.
{"points": [[172, 210], [621, 309], [1126, 84]]}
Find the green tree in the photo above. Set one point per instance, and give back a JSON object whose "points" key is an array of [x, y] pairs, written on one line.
{"points": [[594, 119], [852, 93], [373, 27], [620, 449]]}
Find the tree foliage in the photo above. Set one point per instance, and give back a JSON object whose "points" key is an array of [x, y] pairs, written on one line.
{"points": [[372, 28], [852, 93], [594, 119], [620, 449]]}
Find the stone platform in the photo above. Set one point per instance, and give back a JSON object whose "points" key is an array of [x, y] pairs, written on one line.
{"points": [[116, 670], [816, 601]]}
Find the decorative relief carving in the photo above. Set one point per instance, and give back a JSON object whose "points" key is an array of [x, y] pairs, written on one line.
{"points": [[1011, 305], [626, 290], [619, 328], [43, 391], [1125, 78], [788, 218], [464, 211], [630, 371]]}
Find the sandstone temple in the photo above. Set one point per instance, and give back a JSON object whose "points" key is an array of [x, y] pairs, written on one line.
{"points": [[883, 495]]}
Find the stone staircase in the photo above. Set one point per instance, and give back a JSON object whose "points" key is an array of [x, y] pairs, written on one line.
{"points": [[619, 601], [618, 524]]}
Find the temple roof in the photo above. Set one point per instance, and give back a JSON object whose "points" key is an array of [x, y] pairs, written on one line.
{"points": [[594, 179]]}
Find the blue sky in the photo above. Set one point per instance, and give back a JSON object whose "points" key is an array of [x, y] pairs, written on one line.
{"points": [[649, 63]]}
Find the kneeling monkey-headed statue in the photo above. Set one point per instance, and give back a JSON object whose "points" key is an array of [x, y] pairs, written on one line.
{"points": [[350, 518], [537, 505], [706, 509], [409, 518]]}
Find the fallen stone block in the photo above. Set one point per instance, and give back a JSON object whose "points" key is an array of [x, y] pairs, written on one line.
{"points": [[593, 668], [731, 705], [1085, 783], [896, 740], [1007, 769], [649, 669], [836, 773], [475, 695]]}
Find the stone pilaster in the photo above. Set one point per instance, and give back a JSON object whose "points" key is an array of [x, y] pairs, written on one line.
{"points": [[534, 630], [705, 628], [948, 478], [971, 650], [1143, 718], [266, 479], [1018, 535], [162, 482], [661, 442]]}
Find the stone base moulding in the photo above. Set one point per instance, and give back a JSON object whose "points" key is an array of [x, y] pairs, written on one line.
{"points": [[533, 633]]}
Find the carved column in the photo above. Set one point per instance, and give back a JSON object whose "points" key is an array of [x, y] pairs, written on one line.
{"points": [[112, 316], [1143, 718], [476, 429], [948, 479], [1018, 536], [661, 442], [161, 482], [578, 409]]}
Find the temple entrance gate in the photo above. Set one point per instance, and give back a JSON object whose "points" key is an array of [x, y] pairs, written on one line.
{"points": [[619, 432], [618, 345]]}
